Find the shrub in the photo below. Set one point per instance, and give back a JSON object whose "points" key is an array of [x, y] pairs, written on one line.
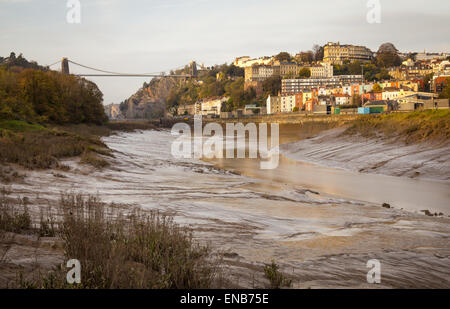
{"points": [[125, 250], [14, 216], [276, 278]]}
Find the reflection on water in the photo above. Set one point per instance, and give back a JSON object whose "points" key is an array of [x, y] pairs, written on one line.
{"points": [[319, 224]]}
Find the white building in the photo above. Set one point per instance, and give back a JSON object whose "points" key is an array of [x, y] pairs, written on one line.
{"points": [[245, 62], [212, 106], [287, 103], [347, 90], [390, 94], [273, 105], [342, 99]]}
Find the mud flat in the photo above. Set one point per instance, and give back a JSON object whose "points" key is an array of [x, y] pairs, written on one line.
{"points": [[318, 234], [373, 155]]}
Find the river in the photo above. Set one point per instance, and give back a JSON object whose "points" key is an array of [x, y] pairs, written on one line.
{"points": [[321, 225]]}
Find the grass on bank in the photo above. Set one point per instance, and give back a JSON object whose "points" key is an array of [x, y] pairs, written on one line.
{"points": [[33, 146], [415, 127], [116, 250]]}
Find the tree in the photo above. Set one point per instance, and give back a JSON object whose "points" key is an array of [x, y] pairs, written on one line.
{"points": [[318, 52], [446, 91], [388, 59], [295, 109], [354, 68], [376, 88], [356, 100], [33, 94], [234, 71], [272, 85], [426, 82], [304, 73], [283, 56], [306, 57], [383, 75]]}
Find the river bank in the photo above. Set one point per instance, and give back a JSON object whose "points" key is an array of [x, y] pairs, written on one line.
{"points": [[377, 155], [319, 236]]}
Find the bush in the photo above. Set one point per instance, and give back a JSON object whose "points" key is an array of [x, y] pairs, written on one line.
{"points": [[14, 216], [125, 250], [276, 278]]}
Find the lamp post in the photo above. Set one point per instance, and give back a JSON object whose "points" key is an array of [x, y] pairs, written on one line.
{"points": [[362, 71]]}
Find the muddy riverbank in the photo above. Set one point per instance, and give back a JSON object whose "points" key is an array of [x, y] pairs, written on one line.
{"points": [[319, 236]]}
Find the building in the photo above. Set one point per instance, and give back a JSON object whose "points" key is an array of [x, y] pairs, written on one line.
{"points": [[189, 109], [381, 106], [289, 69], [287, 103], [273, 105], [372, 96], [431, 56], [335, 53], [324, 70], [410, 72], [439, 82], [299, 101], [241, 61], [259, 73], [212, 106], [298, 85], [342, 99], [246, 61], [419, 100], [324, 100], [391, 93], [252, 109]]}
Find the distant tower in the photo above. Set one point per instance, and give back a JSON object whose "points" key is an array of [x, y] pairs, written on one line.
{"points": [[65, 66], [194, 71]]}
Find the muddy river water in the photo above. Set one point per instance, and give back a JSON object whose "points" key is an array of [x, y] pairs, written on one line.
{"points": [[321, 225]]}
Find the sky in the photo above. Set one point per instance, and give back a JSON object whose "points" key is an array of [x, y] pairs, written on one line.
{"points": [[143, 36]]}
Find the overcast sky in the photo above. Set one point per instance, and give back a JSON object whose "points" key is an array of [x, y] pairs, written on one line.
{"points": [[141, 36]]}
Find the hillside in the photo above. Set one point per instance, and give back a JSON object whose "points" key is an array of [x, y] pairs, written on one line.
{"points": [[150, 101], [33, 93], [164, 95]]}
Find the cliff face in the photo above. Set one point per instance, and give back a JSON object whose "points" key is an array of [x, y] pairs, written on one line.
{"points": [[150, 102]]}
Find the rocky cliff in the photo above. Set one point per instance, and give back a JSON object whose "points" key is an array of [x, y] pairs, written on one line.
{"points": [[150, 101]]}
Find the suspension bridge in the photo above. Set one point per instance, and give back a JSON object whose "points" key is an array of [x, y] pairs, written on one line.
{"points": [[193, 71]]}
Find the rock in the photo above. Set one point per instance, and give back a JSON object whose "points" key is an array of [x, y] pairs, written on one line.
{"points": [[150, 102], [231, 255], [386, 205], [427, 213]]}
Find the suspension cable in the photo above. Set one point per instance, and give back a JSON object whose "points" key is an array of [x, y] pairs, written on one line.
{"points": [[54, 63]]}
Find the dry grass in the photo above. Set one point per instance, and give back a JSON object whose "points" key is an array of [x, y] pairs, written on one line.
{"points": [[36, 147], [122, 250], [94, 160], [416, 127], [14, 215]]}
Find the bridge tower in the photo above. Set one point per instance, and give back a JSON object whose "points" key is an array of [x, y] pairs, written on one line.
{"points": [[65, 66], [194, 72]]}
